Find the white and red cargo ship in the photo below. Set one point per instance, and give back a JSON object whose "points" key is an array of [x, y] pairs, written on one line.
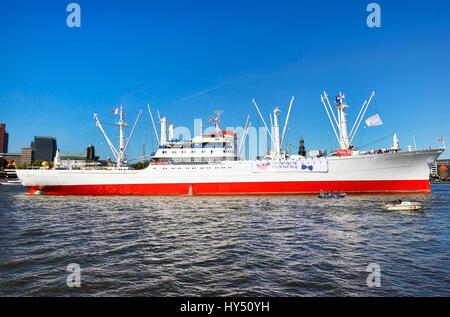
{"points": [[208, 164]]}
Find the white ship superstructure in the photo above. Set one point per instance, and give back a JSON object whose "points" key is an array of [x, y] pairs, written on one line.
{"points": [[211, 147]]}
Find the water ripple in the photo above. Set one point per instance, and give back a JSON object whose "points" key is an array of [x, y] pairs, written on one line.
{"points": [[222, 246]]}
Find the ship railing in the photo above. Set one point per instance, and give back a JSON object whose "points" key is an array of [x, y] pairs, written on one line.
{"points": [[31, 168]]}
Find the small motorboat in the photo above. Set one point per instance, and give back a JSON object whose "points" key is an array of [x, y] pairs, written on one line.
{"points": [[330, 194], [14, 182], [401, 205]]}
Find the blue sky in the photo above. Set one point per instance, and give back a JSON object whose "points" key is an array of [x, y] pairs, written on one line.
{"points": [[166, 53]]}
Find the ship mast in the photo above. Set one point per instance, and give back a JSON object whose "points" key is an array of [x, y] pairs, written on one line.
{"points": [[121, 158], [275, 128], [344, 138], [163, 122], [276, 131], [341, 105], [119, 154]]}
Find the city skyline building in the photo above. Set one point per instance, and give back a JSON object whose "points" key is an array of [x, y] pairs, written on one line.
{"points": [[44, 148], [4, 136], [26, 156]]}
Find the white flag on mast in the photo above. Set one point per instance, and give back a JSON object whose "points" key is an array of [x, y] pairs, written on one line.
{"points": [[374, 121]]}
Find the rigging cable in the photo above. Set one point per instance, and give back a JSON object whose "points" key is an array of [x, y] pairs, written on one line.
{"points": [[378, 140]]}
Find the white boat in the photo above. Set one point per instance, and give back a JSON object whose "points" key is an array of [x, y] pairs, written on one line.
{"points": [[210, 164], [402, 205]]}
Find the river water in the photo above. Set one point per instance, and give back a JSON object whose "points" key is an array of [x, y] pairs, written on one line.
{"points": [[223, 246]]}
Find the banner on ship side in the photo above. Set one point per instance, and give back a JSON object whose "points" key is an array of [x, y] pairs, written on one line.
{"points": [[310, 165]]}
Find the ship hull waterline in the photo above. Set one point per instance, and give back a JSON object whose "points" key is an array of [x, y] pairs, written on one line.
{"points": [[213, 189]]}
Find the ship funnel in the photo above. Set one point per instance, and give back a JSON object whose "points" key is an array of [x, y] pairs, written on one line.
{"points": [[276, 130], [171, 132], [163, 122], [217, 120]]}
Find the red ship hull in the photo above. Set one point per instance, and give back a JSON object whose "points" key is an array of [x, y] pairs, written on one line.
{"points": [[242, 188]]}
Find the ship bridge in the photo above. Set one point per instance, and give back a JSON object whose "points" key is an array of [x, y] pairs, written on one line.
{"points": [[210, 147]]}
